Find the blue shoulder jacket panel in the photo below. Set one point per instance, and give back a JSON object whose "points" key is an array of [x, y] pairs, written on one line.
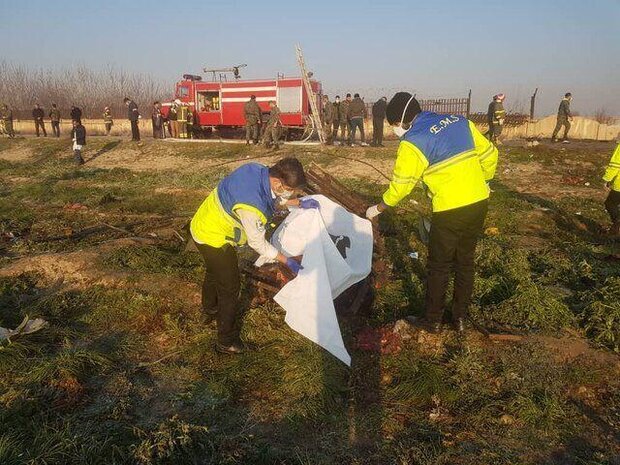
{"points": [[440, 137]]}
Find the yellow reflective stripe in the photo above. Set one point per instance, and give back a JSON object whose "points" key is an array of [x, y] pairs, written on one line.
{"points": [[245, 206], [614, 165], [227, 217], [487, 153], [452, 161]]}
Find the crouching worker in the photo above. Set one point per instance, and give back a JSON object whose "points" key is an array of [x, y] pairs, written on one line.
{"points": [[237, 212], [78, 135], [455, 162], [612, 183]]}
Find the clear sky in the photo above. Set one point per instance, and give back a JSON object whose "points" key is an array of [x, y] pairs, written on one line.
{"points": [[434, 48]]}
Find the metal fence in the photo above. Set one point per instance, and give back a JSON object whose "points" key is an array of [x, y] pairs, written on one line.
{"points": [[452, 106]]}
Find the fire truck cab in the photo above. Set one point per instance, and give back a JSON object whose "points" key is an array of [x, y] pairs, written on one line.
{"points": [[219, 104]]}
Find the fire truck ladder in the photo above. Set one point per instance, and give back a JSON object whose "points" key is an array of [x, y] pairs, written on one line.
{"points": [[315, 116]]}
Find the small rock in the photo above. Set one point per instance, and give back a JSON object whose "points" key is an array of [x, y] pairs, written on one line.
{"points": [[506, 419], [403, 328]]}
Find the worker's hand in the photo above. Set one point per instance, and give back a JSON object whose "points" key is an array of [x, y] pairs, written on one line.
{"points": [[375, 210], [293, 265], [306, 204]]}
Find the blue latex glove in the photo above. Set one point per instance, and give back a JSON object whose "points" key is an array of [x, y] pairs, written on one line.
{"points": [[294, 265], [309, 203]]}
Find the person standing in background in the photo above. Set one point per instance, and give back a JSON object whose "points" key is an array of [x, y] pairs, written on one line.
{"points": [[253, 115], [76, 114], [6, 117], [173, 116], [345, 124], [356, 114], [337, 116], [55, 120], [495, 117], [378, 116], [107, 120], [157, 121], [327, 119], [133, 115], [38, 114]]}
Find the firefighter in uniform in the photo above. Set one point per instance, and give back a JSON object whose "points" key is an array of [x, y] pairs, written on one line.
{"points": [[495, 117], [564, 118], [455, 162], [6, 117], [327, 119], [54, 115], [345, 124], [107, 120], [271, 137], [173, 115], [236, 213], [612, 182], [182, 120], [252, 114]]}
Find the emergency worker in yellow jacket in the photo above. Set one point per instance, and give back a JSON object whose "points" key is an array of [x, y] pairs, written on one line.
{"points": [[612, 182], [236, 213], [455, 162]]}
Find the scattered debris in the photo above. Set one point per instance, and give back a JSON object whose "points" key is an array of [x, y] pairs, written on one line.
{"points": [[75, 206], [492, 231], [414, 255], [383, 340], [506, 419], [27, 326], [403, 329]]}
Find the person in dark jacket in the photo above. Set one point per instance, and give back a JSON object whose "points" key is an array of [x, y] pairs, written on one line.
{"points": [[133, 115], [337, 110], [38, 115], [76, 114], [78, 135], [108, 121], [158, 121], [356, 114], [564, 118], [378, 116], [55, 120]]}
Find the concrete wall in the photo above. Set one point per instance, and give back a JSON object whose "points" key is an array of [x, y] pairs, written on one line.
{"points": [[582, 128]]}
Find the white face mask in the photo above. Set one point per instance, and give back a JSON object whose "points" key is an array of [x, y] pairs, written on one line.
{"points": [[399, 130], [284, 194]]}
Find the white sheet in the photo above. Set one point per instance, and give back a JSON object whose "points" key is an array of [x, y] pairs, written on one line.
{"points": [[308, 299]]}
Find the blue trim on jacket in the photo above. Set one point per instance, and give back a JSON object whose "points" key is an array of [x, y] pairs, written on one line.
{"points": [[440, 137], [248, 184]]}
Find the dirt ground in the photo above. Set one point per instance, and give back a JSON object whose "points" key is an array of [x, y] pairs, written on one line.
{"points": [[546, 247]]}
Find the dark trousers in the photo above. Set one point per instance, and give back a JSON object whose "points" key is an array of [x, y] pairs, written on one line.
{"points": [[39, 124], [108, 128], [357, 122], [377, 131], [495, 130], [252, 131], [158, 132], [56, 128], [220, 290], [561, 122], [345, 131], [77, 156], [135, 130], [451, 249], [612, 205]]}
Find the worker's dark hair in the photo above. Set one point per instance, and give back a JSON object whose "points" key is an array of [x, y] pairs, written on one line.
{"points": [[394, 109], [568, 94], [348, 95], [289, 171], [252, 97], [54, 105], [337, 96], [155, 102], [356, 95], [126, 99]]}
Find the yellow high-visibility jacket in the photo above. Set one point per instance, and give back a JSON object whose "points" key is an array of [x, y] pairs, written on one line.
{"points": [[612, 173], [450, 156]]}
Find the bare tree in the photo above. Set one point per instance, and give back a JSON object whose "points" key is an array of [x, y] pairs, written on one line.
{"points": [[91, 90]]}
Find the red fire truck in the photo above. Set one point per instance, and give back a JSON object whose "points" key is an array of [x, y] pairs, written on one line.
{"points": [[219, 104]]}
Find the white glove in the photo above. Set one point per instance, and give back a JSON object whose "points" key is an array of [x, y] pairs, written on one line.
{"points": [[373, 212]]}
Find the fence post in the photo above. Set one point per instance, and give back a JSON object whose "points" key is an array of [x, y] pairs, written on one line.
{"points": [[468, 103], [533, 104]]}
